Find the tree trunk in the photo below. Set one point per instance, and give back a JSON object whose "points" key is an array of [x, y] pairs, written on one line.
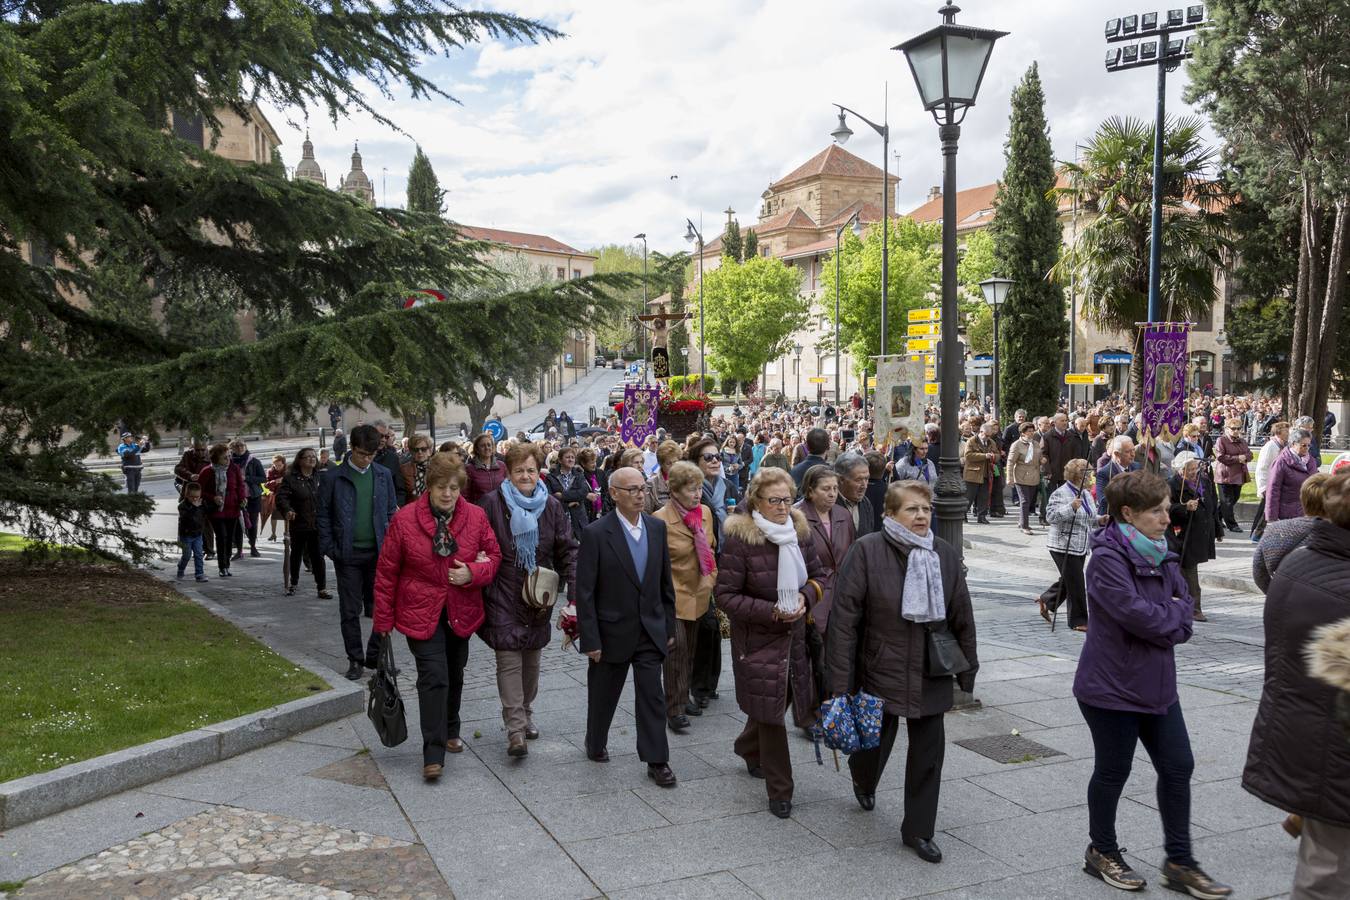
{"points": [[1332, 306], [409, 417], [479, 408], [1307, 308]]}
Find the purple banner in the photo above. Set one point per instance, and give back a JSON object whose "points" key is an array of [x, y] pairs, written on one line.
{"points": [[639, 412], [1164, 388]]}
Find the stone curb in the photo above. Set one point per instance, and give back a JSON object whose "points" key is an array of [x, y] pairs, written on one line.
{"points": [[36, 796]]}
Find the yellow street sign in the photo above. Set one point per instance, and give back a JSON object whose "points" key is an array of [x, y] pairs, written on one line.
{"points": [[930, 388], [933, 314], [817, 379], [930, 374], [1085, 378], [871, 381], [919, 345], [932, 329]]}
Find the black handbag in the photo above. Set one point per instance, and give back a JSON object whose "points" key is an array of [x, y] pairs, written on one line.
{"points": [[384, 706], [945, 656]]}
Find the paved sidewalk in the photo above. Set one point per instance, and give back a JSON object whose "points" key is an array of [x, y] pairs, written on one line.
{"points": [[332, 813]]}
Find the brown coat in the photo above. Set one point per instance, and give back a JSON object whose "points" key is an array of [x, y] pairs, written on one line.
{"points": [[765, 652], [832, 548], [976, 459], [869, 645], [693, 590]]}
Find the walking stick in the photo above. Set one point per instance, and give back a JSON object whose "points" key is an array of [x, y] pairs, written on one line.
{"points": [[286, 558]]}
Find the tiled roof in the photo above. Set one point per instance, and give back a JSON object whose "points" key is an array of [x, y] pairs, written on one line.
{"points": [[825, 246], [975, 206], [797, 218], [521, 240], [833, 160], [870, 213]]}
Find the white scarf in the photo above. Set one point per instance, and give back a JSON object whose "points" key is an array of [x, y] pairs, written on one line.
{"points": [[922, 600], [791, 565]]}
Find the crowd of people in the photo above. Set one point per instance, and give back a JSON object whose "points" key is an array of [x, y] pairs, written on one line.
{"points": [[793, 533]]}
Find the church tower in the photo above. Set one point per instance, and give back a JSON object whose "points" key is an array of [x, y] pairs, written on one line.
{"points": [[308, 167], [356, 182]]}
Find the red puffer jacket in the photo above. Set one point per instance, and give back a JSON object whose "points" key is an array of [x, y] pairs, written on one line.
{"points": [[412, 583]]}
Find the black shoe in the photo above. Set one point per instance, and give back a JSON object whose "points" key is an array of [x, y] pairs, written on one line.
{"points": [[678, 723], [1235, 529], [598, 756], [324, 595], [925, 849], [703, 702], [781, 808], [354, 671], [253, 552], [661, 774], [982, 520], [290, 592], [755, 769], [692, 709], [867, 801], [531, 733]]}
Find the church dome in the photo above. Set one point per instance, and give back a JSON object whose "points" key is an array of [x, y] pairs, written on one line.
{"points": [[356, 181], [308, 167]]}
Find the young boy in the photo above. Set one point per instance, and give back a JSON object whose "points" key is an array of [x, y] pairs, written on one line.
{"points": [[191, 523]]}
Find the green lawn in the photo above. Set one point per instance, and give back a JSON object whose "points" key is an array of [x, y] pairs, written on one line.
{"points": [[97, 659]]}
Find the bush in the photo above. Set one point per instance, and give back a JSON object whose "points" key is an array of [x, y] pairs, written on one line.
{"points": [[676, 383]]}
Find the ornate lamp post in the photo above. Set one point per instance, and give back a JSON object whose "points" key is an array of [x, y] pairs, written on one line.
{"points": [[839, 232], [995, 292], [948, 64], [797, 352]]}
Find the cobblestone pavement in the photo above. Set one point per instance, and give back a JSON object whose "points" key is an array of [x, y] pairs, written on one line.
{"points": [[332, 813]]}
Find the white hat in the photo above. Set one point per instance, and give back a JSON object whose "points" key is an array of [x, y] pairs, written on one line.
{"points": [[1180, 461]]}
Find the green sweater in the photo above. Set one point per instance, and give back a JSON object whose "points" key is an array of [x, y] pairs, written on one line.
{"points": [[363, 513]]}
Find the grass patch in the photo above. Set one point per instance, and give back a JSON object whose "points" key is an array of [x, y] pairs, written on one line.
{"points": [[98, 658]]}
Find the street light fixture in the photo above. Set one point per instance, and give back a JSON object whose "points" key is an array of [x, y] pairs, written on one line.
{"points": [[995, 292], [694, 236], [948, 64], [841, 134], [797, 351], [642, 236], [856, 221]]}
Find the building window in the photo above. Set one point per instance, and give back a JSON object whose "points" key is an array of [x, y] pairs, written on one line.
{"points": [[562, 273], [188, 127], [576, 273], [1202, 369]]}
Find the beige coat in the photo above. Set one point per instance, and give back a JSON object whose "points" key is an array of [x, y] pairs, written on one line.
{"points": [[692, 590], [1021, 471]]}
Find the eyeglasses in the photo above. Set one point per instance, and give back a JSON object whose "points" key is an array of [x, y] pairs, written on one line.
{"points": [[630, 491], [421, 449], [711, 457], [777, 501]]}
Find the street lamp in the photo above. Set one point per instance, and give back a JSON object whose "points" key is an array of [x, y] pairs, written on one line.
{"points": [[643, 237], [841, 134], [995, 292], [857, 229], [797, 351], [948, 64], [694, 236]]}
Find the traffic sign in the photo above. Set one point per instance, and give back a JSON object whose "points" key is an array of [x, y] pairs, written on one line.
{"points": [[979, 367], [933, 314], [930, 329], [871, 381], [1084, 378], [920, 345], [930, 388], [496, 429], [930, 374], [817, 379]]}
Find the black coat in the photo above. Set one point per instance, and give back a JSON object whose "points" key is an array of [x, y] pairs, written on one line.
{"points": [[615, 603], [1192, 533], [868, 520], [1299, 759], [388, 457], [573, 500], [300, 495]]}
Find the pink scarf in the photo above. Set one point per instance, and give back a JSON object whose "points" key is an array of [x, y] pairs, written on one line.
{"points": [[595, 489], [693, 520]]}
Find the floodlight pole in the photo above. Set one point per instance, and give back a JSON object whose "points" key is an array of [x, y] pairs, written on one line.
{"points": [[1155, 227]]}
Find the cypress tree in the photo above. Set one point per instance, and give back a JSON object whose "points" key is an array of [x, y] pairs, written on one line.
{"points": [[424, 189], [731, 240], [749, 245], [1033, 329]]}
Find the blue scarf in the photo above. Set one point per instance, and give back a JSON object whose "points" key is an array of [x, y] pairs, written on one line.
{"points": [[525, 513], [1153, 551]]}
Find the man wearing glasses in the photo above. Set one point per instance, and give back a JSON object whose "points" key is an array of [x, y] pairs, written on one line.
{"points": [[356, 503], [387, 456]]}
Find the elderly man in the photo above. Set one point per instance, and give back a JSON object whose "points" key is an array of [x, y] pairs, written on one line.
{"points": [[852, 470], [1122, 460], [1057, 448], [981, 455]]}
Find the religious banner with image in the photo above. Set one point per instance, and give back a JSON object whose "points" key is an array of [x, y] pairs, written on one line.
{"points": [[899, 399], [660, 363], [1164, 384], [639, 412]]}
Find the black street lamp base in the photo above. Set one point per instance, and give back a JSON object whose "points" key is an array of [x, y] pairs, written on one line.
{"points": [[949, 506]]}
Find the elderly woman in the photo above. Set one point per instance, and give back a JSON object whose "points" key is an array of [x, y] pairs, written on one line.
{"points": [[1024, 467], [1126, 682], [486, 469], [693, 567], [1073, 518], [533, 530], [254, 476], [437, 556], [767, 572], [833, 533], [414, 472], [1232, 455], [877, 642], [1289, 534], [1293, 466], [774, 457], [1195, 521], [223, 494], [568, 483], [297, 502], [658, 488]]}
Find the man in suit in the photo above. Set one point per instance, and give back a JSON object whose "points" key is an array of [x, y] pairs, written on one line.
{"points": [[1122, 460], [853, 471], [626, 616]]}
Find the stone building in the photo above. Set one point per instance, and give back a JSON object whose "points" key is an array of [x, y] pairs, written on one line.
{"points": [[356, 182]]}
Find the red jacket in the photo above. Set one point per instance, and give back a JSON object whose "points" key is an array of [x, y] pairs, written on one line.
{"points": [[412, 583], [236, 492], [483, 481]]}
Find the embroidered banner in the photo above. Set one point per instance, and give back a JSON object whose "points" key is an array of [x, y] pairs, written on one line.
{"points": [[1164, 385], [899, 399], [639, 413]]}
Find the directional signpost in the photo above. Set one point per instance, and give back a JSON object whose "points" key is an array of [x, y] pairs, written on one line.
{"points": [[928, 329], [1084, 378], [920, 345], [933, 314]]}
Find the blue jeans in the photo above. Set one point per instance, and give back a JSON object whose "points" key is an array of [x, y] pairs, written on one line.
{"points": [[1114, 736], [193, 547]]}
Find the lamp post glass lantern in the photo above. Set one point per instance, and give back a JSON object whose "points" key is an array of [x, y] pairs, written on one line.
{"points": [[995, 293], [948, 64]]}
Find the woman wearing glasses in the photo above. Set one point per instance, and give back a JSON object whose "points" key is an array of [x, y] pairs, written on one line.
{"points": [[533, 530], [715, 494], [438, 554], [768, 574], [414, 471]]}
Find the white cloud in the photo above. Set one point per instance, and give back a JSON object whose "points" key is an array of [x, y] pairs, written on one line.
{"points": [[577, 138]]}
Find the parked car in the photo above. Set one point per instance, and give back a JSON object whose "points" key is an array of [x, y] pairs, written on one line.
{"points": [[600, 362], [617, 364]]}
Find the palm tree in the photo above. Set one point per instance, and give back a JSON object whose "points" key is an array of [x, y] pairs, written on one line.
{"points": [[1114, 182]]}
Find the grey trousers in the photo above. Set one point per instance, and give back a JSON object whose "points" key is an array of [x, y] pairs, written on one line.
{"points": [[1323, 870], [517, 686]]}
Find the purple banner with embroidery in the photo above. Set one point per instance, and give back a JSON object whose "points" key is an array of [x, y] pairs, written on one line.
{"points": [[639, 413], [1164, 388]]}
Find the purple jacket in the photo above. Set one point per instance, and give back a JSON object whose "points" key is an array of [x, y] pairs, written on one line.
{"points": [[1137, 612], [1287, 475]]}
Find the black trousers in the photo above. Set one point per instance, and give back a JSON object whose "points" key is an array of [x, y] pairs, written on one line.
{"points": [[305, 547], [1075, 588], [224, 530], [977, 495], [356, 597], [996, 501], [923, 770], [252, 510], [440, 683], [707, 668], [1229, 494], [604, 684]]}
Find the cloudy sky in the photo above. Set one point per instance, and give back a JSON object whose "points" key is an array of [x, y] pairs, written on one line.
{"points": [[579, 138]]}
